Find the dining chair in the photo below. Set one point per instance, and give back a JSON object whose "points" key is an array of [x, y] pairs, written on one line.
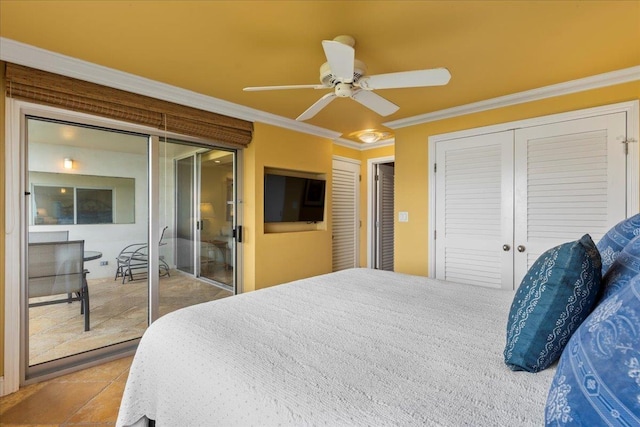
{"points": [[57, 268]]}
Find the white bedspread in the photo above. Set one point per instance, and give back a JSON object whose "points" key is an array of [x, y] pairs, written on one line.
{"points": [[357, 347]]}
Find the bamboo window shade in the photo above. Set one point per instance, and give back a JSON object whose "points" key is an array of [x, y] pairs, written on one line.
{"points": [[77, 95]]}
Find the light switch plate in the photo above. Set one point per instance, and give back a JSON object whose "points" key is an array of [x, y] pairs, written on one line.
{"points": [[403, 216]]}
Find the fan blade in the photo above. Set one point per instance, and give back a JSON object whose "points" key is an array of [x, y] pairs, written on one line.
{"points": [[418, 78], [257, 88], [315, 108], [340, 57], [375, 102]]}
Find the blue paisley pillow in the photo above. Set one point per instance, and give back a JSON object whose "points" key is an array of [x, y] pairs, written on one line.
{"points": [[557, 294], [623, 269], [598, 378], [616, 239]]}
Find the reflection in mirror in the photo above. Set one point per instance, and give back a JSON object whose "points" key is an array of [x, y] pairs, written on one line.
{"points": [[60, 198]]}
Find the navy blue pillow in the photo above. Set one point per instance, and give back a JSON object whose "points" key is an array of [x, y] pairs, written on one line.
{"points": [[598, 378], [616, 239], [557, 294], [624, 268]]}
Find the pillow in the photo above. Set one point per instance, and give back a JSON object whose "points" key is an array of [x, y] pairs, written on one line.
{"points": [[555, 296], [623, 269], [598, 378], [616, 239]]}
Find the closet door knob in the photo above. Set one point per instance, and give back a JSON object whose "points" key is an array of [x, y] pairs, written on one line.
{"points": [[521, 248], [506, 248]]}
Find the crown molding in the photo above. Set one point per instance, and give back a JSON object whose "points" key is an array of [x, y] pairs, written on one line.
{"points": [[347, 143], [593, 82], [363, 147], [42, 59]]}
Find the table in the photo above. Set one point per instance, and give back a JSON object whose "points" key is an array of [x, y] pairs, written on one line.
{"points": [[91, 255]]}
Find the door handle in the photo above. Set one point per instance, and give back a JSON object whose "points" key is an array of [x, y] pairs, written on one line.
{"points": [[521, 248], [506, 248], [237, 234]]}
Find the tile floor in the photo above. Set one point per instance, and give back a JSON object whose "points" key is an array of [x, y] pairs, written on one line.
{"points": [[88, 397], [118, 313], [92, 396]]}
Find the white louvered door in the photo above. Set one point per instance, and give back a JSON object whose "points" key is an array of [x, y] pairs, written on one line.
{"points": [[570, 180], [474, 200], [385, 217], [503, 199], [344, 214]]}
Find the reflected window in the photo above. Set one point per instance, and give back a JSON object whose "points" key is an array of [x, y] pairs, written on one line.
{"points": [[53, 205], [70, 205], [94, 206], [60, 198]]}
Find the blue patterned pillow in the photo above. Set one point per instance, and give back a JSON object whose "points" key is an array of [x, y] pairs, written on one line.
{"points": [[555, 296], [616, 239], [623, 269], [598, 378]]}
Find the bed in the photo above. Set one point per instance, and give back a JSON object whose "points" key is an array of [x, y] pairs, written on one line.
{"points": [[356, 347]]}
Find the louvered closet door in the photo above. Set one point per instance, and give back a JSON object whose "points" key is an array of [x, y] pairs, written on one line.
{"points": [[385, 194], [344, 194], [570, 180], [474, 210]]}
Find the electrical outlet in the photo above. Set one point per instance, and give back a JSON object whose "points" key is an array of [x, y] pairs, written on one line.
{"points": [[104, 262], [403, 216]]}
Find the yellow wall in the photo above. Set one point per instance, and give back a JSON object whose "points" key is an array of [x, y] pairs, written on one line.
{"points": [[411, 179], [2, 222], [273, 258]]}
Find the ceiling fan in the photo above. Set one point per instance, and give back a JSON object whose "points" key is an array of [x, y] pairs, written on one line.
{"points": [[348, 78]]}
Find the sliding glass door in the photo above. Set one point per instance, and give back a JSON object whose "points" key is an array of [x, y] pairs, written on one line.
{"points": [[205, 213], [121, 226], [216, 226], [185, 214], [87, 201]]}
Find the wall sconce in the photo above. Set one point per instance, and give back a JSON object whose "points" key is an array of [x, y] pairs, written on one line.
{"points": [[68, 163]]}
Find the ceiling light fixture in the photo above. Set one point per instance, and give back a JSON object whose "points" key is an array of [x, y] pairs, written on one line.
{"points": [[370, 136], [68, 163]]}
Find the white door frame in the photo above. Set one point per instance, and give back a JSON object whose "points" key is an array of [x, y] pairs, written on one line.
{"points": [[632, 110], [371, 164]]}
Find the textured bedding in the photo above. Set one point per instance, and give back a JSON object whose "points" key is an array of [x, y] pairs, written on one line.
{"points": [[357, 347]]}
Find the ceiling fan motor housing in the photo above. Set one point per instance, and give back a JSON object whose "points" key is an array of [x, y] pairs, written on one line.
{"points": [[329, 80], [344, 90]]}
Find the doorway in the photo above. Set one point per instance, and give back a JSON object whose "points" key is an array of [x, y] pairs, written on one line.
{"points": [[84, 204], [88, 189], [381, 189], [383, 216]]}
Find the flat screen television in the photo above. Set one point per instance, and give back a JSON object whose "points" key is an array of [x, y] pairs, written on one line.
{"points": [[293, 199]]}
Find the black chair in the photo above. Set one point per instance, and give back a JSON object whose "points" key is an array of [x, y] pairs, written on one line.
{"points": [[57, 268]]}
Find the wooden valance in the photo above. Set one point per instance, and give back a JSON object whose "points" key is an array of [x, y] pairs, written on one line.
{"points": [[77, 95]]}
